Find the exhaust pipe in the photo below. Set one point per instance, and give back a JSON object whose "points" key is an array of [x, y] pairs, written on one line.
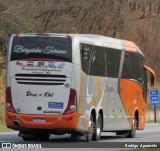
{"points": [[16, 123]]}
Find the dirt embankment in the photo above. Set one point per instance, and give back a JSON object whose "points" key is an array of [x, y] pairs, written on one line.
{"points": [[2, 97]]}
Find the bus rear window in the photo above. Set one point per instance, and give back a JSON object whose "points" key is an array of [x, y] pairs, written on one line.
{"points": [[26, 47]]}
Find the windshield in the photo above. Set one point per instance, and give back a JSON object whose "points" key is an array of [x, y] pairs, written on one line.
{"points": [[26, 47]]}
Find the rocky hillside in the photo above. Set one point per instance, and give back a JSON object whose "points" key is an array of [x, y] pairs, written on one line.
{"points": [[135, 20]]}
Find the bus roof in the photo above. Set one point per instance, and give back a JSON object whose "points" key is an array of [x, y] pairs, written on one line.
{"points": [[126, 45]]}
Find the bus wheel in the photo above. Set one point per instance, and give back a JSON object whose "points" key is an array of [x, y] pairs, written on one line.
{"points": [[98, 129], [132, 132], [89, 134]]}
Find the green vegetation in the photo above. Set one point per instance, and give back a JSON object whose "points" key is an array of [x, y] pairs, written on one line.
{"points": [[3, 128], [152, 121], [2, 99]]}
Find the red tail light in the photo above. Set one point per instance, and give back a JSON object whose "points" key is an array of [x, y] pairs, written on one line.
{"points": [[9, 105], [72, 104], [69, 37]]}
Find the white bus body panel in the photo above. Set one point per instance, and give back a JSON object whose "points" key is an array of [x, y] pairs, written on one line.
{"points": [[87, 86], [27, 97]]}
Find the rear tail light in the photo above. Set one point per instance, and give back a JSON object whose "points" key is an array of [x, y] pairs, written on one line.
{"points": [[72, 104], [9, 105], [69, 37]]}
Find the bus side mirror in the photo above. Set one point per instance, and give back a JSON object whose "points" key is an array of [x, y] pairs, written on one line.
{"points": [[152, 75], [152, 80]]}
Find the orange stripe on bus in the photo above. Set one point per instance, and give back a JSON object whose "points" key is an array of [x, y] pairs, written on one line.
{"points": [[99, 91], [132, 98], [94, 101], [99, 87], [129, 46], [149, 69], [51, 121]]}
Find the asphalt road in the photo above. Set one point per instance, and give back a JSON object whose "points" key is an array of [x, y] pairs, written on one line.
{"points": [[149, 136]]}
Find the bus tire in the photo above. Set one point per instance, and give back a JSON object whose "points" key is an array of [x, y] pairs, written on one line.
{"points": [[132, 132], [98, 129], [89, 133]]}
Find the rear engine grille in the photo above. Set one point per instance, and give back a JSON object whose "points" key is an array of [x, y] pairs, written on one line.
{"points": [[40, 79]]}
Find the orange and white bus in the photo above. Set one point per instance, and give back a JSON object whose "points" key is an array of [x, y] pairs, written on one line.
{"points": [[75, 83]]}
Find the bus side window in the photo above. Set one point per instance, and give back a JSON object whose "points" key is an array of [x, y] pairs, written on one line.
{"points": [[85, 50], [133, 67], [112, 57], [97, 62], [126, 72]]}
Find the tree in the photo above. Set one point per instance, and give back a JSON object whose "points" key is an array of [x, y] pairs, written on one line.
{"points": [[135, 20]]}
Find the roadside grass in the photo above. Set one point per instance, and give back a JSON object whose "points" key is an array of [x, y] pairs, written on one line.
{"points": [[152, 121], [3, 128]]}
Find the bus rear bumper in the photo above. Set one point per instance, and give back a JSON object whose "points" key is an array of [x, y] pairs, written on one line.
{"points": [[24, 121]]}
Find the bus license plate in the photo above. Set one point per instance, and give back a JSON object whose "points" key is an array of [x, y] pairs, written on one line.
{"points": [[39, 120]]}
